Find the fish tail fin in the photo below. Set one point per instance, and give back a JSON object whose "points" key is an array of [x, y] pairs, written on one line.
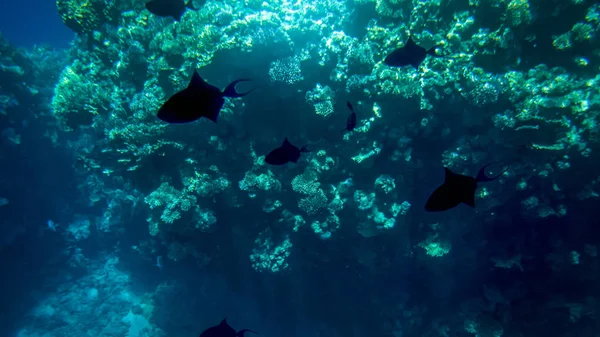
{"points": [[483, 177], [190, 5], [241, 332], [231, 92]]}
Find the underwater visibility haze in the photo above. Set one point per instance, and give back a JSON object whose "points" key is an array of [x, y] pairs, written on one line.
{"points": [[377, 168]]}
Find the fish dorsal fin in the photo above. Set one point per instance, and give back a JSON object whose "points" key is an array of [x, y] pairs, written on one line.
{"points": [[455, 179], [286, 143], [197, 81], [410, 42], [224, 322], [449, 176]]}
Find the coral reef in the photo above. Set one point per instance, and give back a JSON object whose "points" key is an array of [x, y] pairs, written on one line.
{"points": [[507, 85]]}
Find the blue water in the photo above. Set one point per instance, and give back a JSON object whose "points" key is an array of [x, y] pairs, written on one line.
{"points": [[29, 23]]}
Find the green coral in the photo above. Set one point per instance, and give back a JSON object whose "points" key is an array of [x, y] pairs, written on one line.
{"points": [[583, 32], [381, 220], [291, 220], [518, 12], [77, 98], [434, 246], [327, 227], [84, 16], [397, 82], [206, 184], [314, 199], [173, 210], [264, 182], [167, 196], [306, 183], [322, 98], [387, 8], [313, 203], [386, 183], [269, 256]]}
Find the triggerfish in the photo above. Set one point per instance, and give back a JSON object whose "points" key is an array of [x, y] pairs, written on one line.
{"points": [[223, 330], [284, 154], [172, 8], [198, 100], [456, 189], [351, 121], [409, 54]]}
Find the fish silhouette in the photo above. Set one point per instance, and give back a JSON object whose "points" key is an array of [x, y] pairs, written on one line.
{"points": [[351, 121], [223, 330], [284, 154], [409, 54], [457, 189], [172, 8], [198, 100]]}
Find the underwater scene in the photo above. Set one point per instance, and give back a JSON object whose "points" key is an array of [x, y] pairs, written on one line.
{"points": [[301, 168]]}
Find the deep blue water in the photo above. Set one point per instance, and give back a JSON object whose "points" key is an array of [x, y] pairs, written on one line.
{"points": [[28, 23]]}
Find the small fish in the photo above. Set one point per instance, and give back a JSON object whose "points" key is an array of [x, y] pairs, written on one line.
{"points": [[284, 154], [198, 100], [224, 330], [159, 260], [172, 8], [456, 189], [351, 121], [409, 54], [51, 225]]}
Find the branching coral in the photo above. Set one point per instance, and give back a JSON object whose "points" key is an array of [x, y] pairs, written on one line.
{"points": [[306, 183], [314, 199], [171, 201], [78, 99], [171, 205], [322, 98], [263, 181], [286, 70], [314, 202], [207, 184], [268, 255]]}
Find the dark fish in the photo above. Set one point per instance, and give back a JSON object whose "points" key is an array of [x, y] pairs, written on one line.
{"points": [[457, 189], [223, 330], [409, 54], [199, 99], [351, 121], [172, 8], [284, 154]]}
